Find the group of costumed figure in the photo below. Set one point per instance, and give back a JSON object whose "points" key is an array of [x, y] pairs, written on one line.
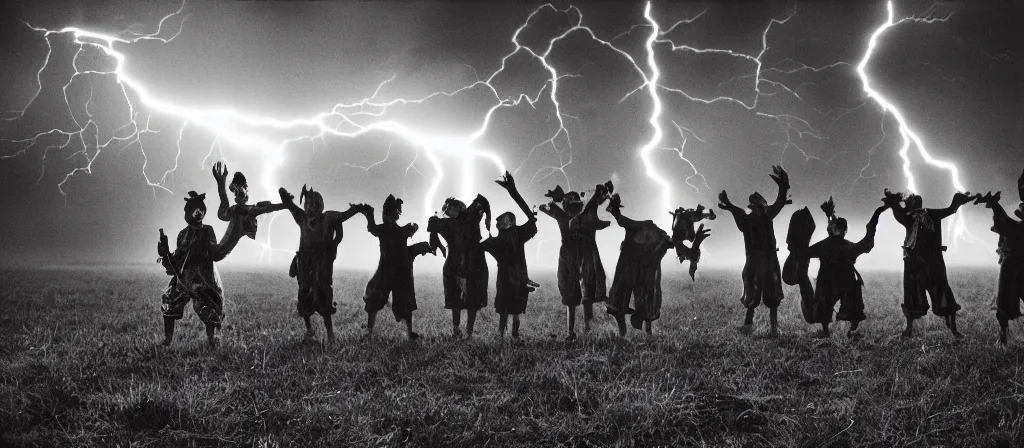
{"points": [[635, 291]]}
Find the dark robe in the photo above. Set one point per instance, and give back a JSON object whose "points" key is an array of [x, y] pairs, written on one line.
{"points": [[924, 269], [394, 275], [194, 277], [464, 275], [1011, 267], [592, 275], [762, 278], [638, 271], [838, 279], [569, 271], [509, 251]]}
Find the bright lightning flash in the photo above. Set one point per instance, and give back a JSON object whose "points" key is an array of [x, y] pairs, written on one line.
{"points": [[909, 136]]}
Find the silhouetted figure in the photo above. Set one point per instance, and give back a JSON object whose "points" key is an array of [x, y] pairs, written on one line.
{"points": [[838, 279], [320, 232], [1011, 261], [638, 270], [924, 269], [513, 284], [581, 276], [394, 275], [464, 275], [762, 282], [194, 277], [683, 220], [794, 270], [241, 217]]}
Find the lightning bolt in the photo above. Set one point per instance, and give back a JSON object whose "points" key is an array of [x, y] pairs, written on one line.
{"points": [[910, 137], [247, 131]]}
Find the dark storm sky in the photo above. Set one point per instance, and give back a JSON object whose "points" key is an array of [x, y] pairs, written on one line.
{"points": [[959, 83]]}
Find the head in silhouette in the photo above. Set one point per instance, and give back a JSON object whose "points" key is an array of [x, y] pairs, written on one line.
{"points": [[392, 209], [572, 203], [195, 208], [240, 188], [453, 208], [758, 204], [837, 227], [913, 202], [312, 203]]}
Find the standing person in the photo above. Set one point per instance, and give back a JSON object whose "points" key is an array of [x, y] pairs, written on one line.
{"points": [[513, 285], [762, 279], [241, 217], [638, 270], [838, 279], [464, 275], [194, 277], [1011, 261], [394, 275], [593, 279], [924, 269], [320, 232], [581, 277]]}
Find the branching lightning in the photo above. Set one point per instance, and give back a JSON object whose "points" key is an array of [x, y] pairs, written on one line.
{"points": [[245, 130], [910, 137]]}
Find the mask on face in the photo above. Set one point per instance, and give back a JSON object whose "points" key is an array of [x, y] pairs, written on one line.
{"points": [[195, 208]]}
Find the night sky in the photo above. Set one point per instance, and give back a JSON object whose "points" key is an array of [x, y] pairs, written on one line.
{"points": [[958, 83]]}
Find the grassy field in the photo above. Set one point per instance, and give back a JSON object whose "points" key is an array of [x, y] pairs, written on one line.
{"points": [[80, 365]]}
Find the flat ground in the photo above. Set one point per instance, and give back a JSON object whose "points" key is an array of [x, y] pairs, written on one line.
{"points": [[80, 365]]}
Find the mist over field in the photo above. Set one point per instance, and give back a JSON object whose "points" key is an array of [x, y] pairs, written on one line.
{"points": [[81, 365]]}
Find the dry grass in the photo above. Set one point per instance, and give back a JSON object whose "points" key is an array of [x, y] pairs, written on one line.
{"points": [[80, 365]]}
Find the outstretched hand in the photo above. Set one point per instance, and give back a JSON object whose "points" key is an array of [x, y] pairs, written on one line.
{"points": [[220, 172], [162, 246], [989, 199], [962, 198], [829, 207], [506, 181], [701, 235], [359, 208], [723, 201], [286, 197], [780, 176]]}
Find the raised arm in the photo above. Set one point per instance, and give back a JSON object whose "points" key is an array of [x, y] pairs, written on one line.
{"points": [[220, 173], [588, 219], [781, 178], [868, 242], [737, 213], [959, 199], [288, 200], [507, 182], [614, 207], [554, 211], [264, 207], [371, 223]]}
